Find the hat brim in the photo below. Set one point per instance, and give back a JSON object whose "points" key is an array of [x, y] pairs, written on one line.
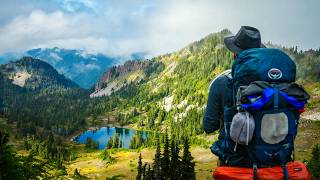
{"points": [[229, 43]]}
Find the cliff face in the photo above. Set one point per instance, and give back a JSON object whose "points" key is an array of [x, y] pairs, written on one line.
{"points": [[119, 76], [120, 71]]}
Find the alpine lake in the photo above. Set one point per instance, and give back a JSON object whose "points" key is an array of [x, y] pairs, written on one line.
{"points": [[104, 134]]}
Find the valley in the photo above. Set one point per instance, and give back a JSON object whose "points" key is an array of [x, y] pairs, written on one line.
{"points": [[42, 109]]}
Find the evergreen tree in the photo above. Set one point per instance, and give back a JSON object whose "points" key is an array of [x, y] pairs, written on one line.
{"points": [[94, 119], [157, 162], [165, 160], [187, 166], [17, 167], [175, 162], [51, 147], [91, 144], [148, 173], [140, 172], [78, 176], [133, 143], [115, 141], [110, 143], [144, 170]]}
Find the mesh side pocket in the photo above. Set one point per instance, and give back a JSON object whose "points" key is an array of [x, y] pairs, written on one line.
{"points": [[274, 127]]}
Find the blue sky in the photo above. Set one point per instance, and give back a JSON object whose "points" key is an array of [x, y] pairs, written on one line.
{"points": [[122, 27]]}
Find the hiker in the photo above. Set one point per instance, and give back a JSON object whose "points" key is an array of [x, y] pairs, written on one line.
{"points": [[257, 108], [220, 94]]}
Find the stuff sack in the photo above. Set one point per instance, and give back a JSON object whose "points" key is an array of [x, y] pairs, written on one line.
{"points": [[296, 171], [242, 128]]}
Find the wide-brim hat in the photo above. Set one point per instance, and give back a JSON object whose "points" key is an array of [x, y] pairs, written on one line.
{"points": [[246, 38]]}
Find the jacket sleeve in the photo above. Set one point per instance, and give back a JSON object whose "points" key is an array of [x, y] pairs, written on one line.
{"points": [[214, 110]]}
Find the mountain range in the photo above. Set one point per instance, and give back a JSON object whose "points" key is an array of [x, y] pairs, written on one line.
{"points": [[78, 65]]}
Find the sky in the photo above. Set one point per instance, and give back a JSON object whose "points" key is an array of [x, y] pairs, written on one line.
{"points": [[123, 27]]}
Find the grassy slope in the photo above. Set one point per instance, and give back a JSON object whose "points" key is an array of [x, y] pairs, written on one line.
{"points": [[308, 136], [92, 166]]}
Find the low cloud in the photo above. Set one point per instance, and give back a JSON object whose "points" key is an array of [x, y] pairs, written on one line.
{"points": [[86, 67]]}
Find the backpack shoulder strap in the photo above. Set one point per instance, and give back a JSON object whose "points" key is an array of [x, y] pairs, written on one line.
{"points": [[226, 73]]}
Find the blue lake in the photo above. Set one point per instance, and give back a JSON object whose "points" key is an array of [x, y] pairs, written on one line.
{"points": [[103, 134]]}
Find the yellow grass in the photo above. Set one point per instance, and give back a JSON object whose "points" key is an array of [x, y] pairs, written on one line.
{"points": [[92, 166]]}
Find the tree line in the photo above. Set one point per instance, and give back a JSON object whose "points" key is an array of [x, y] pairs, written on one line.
{"points": [[168, 164]]}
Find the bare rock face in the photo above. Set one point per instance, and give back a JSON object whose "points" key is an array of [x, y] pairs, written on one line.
{"points": [[20, 78], [121, 71]]}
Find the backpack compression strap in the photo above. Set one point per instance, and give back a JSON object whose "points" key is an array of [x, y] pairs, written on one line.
{"points": [[267, 96], [285, 171]]}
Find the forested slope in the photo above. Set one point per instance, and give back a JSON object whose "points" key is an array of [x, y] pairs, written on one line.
{"points": [[174, 96]]}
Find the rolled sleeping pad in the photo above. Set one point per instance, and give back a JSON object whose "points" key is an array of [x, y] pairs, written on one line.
{"points": [[296, 170]]}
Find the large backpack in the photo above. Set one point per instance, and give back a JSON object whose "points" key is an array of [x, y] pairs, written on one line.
{"points": [[268, 103]]}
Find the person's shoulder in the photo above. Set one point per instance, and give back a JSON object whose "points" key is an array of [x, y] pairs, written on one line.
{"points": [[222, 78]]}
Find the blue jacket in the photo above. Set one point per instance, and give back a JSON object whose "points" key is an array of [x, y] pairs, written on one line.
{"points": [[219, 96]]}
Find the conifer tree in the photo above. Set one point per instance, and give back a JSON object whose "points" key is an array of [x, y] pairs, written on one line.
{"points": [[187, 166], [51, 147], [157, 163], [17, 167], [165, 160], [148, 173], [144, 170], [110, 143], [78, 176], [174, 163], [133, 143], [115, 141], [139, 175]]}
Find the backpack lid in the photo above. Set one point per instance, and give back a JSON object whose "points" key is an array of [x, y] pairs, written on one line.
{"points": [[263, 64]]}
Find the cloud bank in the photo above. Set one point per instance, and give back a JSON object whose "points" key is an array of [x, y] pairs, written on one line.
{"points": [[116, 27]]}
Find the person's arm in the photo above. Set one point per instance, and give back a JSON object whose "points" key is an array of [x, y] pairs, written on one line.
{"points": [[214, 110]]}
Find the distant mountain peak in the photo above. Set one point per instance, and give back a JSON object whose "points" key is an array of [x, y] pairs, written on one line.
{"points": [[81, 66], [35, 74]]}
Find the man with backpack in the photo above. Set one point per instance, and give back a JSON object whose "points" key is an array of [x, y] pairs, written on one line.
{"points": [[256, 106]]}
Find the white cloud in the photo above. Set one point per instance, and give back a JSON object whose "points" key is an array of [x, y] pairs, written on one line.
{"points": [[85, 67], [40, 27], [285, 22], [122, 27]]}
